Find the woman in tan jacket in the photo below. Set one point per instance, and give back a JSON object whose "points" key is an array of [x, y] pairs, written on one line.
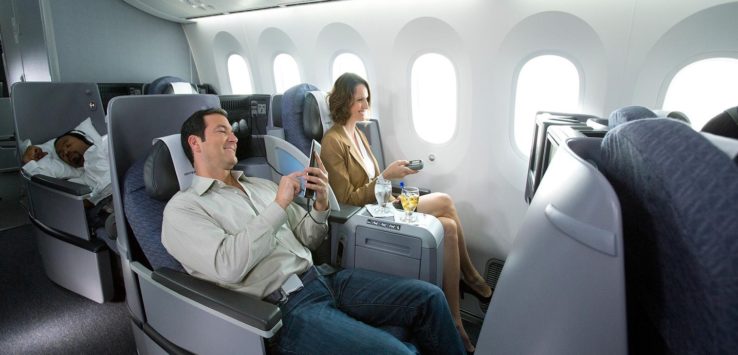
{"points": [[353, 171]]}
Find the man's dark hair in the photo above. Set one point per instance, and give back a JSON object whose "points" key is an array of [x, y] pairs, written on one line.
{"points": [[76, 134], [195, 125]]}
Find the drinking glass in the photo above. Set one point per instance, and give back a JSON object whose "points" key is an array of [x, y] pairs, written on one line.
{"points": [[409, 199], [383, 192]]}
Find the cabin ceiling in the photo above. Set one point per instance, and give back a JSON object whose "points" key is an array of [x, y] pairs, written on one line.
{"points": [[185, 10]]}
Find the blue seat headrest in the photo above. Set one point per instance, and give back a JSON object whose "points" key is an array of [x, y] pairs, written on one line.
{"points": [[629, 113], [167, 85], [316, 115], [293, 104]]}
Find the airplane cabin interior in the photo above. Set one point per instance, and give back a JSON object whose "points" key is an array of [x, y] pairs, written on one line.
{"points": [[589, 150]]}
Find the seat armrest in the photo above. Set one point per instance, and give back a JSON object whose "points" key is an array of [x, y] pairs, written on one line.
{"points": [[62, 185], [344, 214], [242, 307]]}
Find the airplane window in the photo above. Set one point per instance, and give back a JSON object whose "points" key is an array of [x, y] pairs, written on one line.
{"points": [[239, 75], [286, 73], [703, 89], [433, 93], [545, 83], [348, 62]]}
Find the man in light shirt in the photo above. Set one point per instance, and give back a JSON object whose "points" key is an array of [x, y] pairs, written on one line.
{"points": [[246, 234]]}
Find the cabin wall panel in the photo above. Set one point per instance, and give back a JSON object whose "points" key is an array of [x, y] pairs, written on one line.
{"points": [[488, 42], [110, 41], [707, 33]]}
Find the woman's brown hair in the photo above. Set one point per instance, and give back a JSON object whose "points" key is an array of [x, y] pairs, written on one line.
{"points": [[341, 97]]}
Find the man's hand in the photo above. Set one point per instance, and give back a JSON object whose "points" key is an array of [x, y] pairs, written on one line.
{"points": [[289, 187], [316, 179], [33, 153]]}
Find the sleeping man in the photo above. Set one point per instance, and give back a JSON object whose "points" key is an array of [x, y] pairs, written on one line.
{"points": [[80, 159]]}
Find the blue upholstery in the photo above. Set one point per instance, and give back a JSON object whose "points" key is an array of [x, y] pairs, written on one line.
{"points": [[627, 114], [145, 215], [293, 103], [679, 197]]}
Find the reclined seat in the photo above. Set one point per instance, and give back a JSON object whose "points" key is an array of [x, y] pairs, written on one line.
{"points": [[679, 197], [357, 239], [171, 311], [562, 289], [74, 256]]}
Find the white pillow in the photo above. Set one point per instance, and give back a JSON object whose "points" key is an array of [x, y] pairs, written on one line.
{"points": [[85, 127], [48, 147], [89, 130]]}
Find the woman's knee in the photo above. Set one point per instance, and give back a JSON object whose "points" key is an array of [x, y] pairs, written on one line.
{"points": [[450, 231], [445, 204]]}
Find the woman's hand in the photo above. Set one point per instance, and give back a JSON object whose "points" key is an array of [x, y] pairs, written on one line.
{"points": [[398, 170]]}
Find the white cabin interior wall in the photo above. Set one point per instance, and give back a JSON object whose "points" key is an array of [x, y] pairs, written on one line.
{"points": [[111, 41], [272, 42], [488, 41], [707, 33]]}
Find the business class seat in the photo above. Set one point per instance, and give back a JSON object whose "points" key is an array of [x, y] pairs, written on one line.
{"points": [[171, 311], [174, 311], [75, 255], [679, 197], [358, 239], [562, 289]]}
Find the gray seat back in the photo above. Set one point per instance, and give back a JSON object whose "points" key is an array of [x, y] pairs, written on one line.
{"points": [[133, 122], [561, 290], [370, 128], [45, 110], [679, 196]]}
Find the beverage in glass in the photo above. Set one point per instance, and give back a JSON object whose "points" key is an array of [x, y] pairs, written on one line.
{"points": [[383, 192], [409, 200]]}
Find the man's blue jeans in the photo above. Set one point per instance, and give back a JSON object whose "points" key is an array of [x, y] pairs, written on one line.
{"points": [[341, 313]]}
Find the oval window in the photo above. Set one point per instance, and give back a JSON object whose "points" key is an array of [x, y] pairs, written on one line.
{"points": [[703, 89], [545, 83], [348, 63], [433, 91], [239, 75], [286, 73]]}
